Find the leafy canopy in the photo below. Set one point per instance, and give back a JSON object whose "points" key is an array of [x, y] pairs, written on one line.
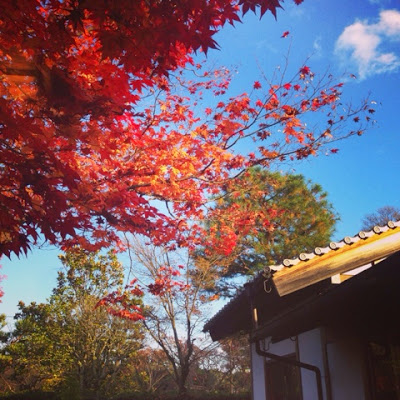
{"points": [[100, 109], [73, 73], [68, 342], [290, 215]]}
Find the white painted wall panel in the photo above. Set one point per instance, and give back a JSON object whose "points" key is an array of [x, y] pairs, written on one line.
{"points": [[345, 360], [310, 352], [257, 365], [346, 370]]}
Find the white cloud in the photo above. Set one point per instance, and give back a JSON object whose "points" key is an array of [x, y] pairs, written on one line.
{"points": [[369, 46], [317, 47], [390, 23]]}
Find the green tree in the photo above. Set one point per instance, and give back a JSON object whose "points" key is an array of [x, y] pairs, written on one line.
{"points": [[69, 343], [35, 353], [101, 342], [303, 219], [6, 384], [380, 217]]}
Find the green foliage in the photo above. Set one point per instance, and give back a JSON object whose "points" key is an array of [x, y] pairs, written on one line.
{"points": [[303, 219], [34, 346], [68, 344], [88, 274], [3, 334]]}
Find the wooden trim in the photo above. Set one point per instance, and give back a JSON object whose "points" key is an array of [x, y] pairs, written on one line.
{"points": [[334, 262]]}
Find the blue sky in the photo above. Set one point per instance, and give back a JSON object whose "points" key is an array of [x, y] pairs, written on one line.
{"points": [[361, 37]]}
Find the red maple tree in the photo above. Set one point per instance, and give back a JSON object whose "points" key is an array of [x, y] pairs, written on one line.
{"points": [[99, 117], [1, 289]]}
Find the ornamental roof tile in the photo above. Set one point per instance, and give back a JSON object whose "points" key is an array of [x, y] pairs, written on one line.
{"points": [[319, 254], [333, 246]]}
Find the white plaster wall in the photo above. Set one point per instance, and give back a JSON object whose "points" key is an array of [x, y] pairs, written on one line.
{"points": [[345, 360], [346, 370], [283, 348], [257, 372], [311, 352]]}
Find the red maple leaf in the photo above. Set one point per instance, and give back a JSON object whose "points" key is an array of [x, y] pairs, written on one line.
{"points": [[305, 70], [96, 130]]}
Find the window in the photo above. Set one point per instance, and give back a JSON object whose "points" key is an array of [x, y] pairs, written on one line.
{"points": [[385, 367], [283, 381]]}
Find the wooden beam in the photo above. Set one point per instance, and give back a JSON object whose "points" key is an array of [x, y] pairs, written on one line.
{"points": [[339, 278], [349, 257]]}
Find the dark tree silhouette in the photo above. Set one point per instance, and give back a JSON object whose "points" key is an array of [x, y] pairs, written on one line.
{"points": [[380, 217]]}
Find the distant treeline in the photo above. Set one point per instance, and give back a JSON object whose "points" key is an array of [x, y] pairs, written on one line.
{"points": [[198, 396]]}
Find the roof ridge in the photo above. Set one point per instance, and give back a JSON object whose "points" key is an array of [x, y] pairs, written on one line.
{"points": [[346, 241], [318, 251]]}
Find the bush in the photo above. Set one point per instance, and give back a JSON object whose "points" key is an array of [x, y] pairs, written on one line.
{"points": [[31, 396]]}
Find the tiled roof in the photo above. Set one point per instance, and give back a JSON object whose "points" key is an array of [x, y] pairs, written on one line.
{"points": [[337, 258], [333, 246], [319, 253]]}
